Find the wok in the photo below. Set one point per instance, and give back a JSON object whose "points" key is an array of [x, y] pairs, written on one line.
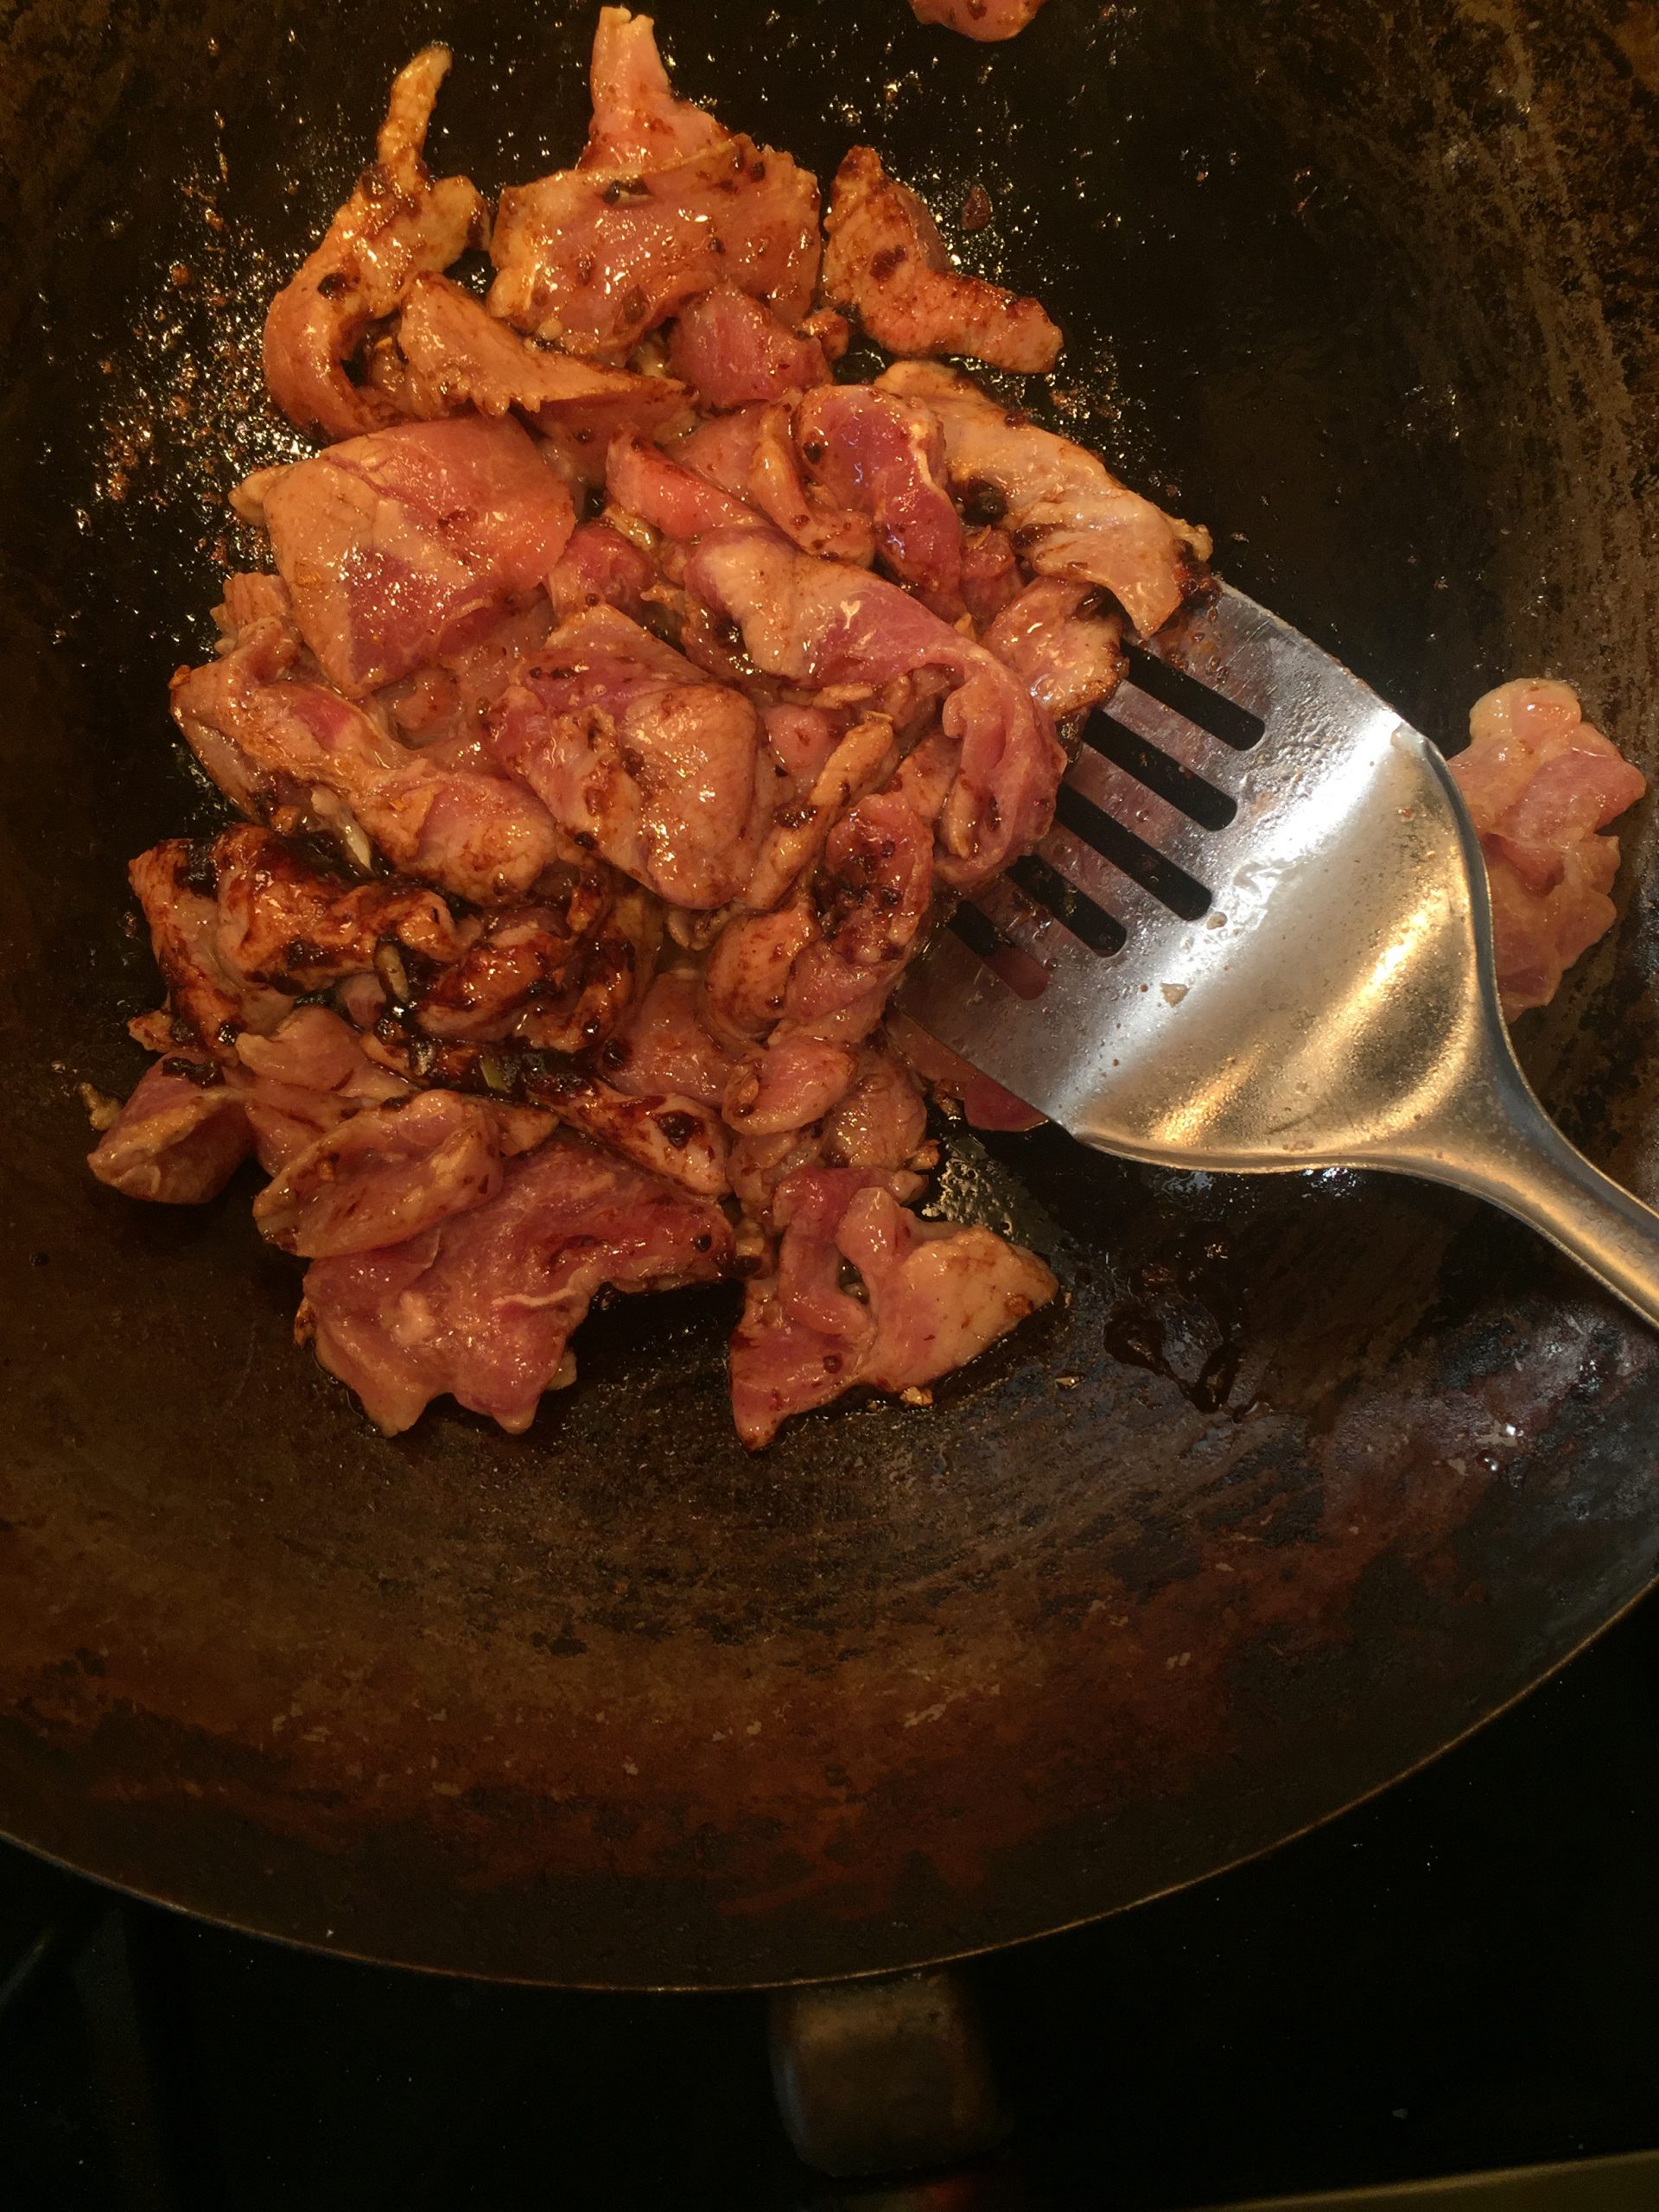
{"points": [[1306, 1476]]}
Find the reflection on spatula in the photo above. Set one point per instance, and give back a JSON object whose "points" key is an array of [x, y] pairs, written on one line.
{"points": [[1258, 937]]}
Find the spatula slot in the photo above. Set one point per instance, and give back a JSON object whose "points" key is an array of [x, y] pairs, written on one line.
{"points": [[1022, 974], [1101, 932], [1171, 887], [1184, 695], [1200, 801]]}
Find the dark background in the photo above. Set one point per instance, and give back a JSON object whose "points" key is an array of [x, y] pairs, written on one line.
{"points": [[1459, 1974]]}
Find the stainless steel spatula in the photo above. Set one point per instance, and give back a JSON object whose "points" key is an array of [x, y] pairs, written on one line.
{"points": [[1258, 937]]}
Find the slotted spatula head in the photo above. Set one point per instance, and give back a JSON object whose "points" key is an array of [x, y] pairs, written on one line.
{"points": [[1257, 935]]}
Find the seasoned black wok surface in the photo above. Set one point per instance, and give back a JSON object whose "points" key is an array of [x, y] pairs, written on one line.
{"points": [[1307, 1477]]}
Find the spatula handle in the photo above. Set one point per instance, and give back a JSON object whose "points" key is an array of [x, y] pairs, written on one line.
{"points": [[1504, 1147]]}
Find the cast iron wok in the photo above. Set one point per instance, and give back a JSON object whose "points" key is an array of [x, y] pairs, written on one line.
{"points": [[1304, 1478]]}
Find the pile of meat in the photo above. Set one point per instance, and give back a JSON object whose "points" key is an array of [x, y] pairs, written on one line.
{"points": [[624, 696]]}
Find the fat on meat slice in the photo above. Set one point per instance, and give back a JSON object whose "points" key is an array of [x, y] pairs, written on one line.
{"points": [[396, 225], [383, 1175], [984, 20], [659, 210], [1542, 785], [1065, 648], [733, 352], [883, 456], [935, 1295], [298, 755], [482, 1307], [179, 1139], [410, 544], [820, 623], [887, 264], [642, 758], [1066, 514]]}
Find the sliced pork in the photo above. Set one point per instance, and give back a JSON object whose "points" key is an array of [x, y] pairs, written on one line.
{"points": [[818, 623], [385, 1174], [482, 1308], [1066, 513], [1542, 785], [397, 224], [1063, 646], [887, 264], [934, 1296], [984, 20], [641, 757], [665, 206], [884, 457], [408, 544], [179, 1139], [731, 351]]}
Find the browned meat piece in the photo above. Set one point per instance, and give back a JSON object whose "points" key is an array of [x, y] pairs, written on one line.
{"points": [[309, 1076], [887, 264], [408, 545], [179, 1139], [859, 763], [935, 1296], [637, 123], [282, 922], [397, 224], [298, 755], [731, 351], [593, 257], [641, 757], [1066, 514], [665, 1051], [789, 1084], [208, 994], [483, 1306], [884, 457], [985, 20], [747, 979], [458, 355], [1542, 785], [751, 456], [1065, 649], [600, 566], [387, 1174]]}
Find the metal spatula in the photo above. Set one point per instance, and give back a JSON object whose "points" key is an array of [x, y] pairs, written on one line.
{"points": [[1258, 937]]}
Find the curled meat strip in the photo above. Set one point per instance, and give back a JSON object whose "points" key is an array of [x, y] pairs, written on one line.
{"points": [[1054, 636], [179, 1139], [1542, 785], [886, 263], [984, 20], [397, 224], [387, 1174], [884, 457], [819, 623], [1066, 514], [482, 1306], [663, 205], [731, 351], [934, 1296]]}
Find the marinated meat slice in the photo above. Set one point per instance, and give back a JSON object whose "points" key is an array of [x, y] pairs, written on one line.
{"points": [[746, 981], [388, 1173], [882, 1123], [397, 224], [791, 1081], [732, 351], [301, 756], [284, 923], [457, 354], [663, 1050], [637, 123], [524, 958], [592, 259], [984, 20], [410, 544], [656, 488], [642, 758], [818, 623], [887, 264], [483, 1306], [307, 1077], [860, 762], [1540, 784], [1066, 515], [207, 991], [935, 1296], [751, 456], [179, 1139], [990, 573], [1066, 652], [443, 707], [601, 568], [884, 457]]}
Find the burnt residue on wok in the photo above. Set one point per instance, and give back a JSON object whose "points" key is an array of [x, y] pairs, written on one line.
{"points": [[620, 1705]]}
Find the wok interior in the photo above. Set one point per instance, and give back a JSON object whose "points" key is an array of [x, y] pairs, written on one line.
{"points": [[1306, 1477]]}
